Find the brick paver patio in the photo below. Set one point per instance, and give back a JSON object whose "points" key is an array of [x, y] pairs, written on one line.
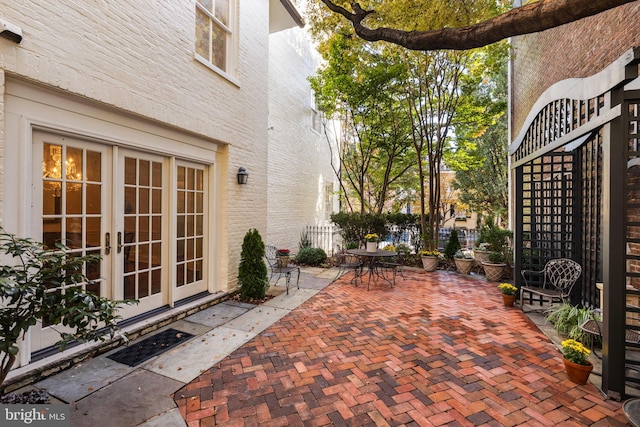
{"points": [[438, 349]]}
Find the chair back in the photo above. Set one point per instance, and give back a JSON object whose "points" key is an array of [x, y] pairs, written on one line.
{"points": [[563, 273], [270, 255]]}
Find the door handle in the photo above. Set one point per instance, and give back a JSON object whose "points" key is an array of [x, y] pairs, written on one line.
{"points": [[119, 247], [107, 243]]}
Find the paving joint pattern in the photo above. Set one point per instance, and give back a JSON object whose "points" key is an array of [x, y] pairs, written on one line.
{"points": [[438, 349]]}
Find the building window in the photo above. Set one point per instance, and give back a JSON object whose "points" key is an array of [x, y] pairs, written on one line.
{"points": [[214, 34], [316, 115], [328, 200]]}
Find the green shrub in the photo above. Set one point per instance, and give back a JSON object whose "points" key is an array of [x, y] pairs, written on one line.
{"points": [[27, 274], [567, 319], [252, 273], [453, 245], [311, 256]]}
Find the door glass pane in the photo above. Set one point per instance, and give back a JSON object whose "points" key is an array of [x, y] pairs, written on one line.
{"points": [[94, 166], [143, 228], [156, 203], [156, 281], [94, 199], [143, 284], [199, 179], [51, 232], [144, 201], [181, 178], [93, 232], [74, 198], [130, 171], [156, 174], [130, 287], [74, 233], [144, 172], [129, 200], [156, 254], [156, 227], [51, 161], [73, 164], [51, 198]]}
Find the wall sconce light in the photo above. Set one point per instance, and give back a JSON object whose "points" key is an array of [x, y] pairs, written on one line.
{"points": [[243, 176], [10, 31]]}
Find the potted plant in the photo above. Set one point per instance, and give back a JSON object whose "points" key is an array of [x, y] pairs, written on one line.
{"points": [[372, 242], [430, 259], [494, 266], [576, 363], [282, 257], [464, 261], [481, 252], [508, 293]]}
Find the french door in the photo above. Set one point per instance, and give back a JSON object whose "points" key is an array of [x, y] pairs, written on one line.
{"points": [[143, 213]]}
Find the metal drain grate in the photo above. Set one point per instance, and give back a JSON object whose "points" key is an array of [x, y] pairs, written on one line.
{"points": [[136, 353]]}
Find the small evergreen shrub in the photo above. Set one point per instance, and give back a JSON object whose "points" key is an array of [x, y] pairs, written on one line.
{"points": [[252, 273], [453, 246], [311, 256]]}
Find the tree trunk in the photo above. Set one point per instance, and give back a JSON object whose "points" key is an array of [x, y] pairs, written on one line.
{"points": [[7, 363]]}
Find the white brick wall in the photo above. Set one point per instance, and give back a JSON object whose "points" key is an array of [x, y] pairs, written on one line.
{"points": [[299, 158], [139, 57]]}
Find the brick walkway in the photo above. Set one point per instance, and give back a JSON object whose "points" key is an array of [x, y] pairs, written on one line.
{"points": [[438, 349]]}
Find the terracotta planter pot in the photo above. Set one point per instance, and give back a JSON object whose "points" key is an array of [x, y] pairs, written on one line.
{"points": [[508, 300], [430, 263], [493, 272], [372, 246], [579, 374], [464, 265]]}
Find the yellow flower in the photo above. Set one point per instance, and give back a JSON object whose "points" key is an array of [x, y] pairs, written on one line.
{"points": [[371, 237], [575, 351], [429, 253], [507, 288]]}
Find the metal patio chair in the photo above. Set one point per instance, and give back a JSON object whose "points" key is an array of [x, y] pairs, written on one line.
{"points": [[558, 277], [347, 262], [272, 263]]}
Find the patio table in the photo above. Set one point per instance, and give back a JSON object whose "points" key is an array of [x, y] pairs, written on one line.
{"points": [[370, 259]]}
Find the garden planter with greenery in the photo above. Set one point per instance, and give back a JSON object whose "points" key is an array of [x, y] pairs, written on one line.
{"points": [[494, 267], [576, 363], [464, 262], [430, 260], [508, 292]]}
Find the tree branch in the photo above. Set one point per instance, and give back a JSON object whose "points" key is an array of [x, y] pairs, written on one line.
{"points": [[531, 18]]}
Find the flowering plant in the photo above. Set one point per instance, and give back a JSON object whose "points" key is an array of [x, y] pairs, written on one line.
{"points": [[429, 253], [507, 288], [389, 248], [282, 252], [574, 351], [482, 246], [371, 237], [463, 254]]}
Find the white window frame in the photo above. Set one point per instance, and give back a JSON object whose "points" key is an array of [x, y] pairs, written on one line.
{"points": [[231, 55], [316, 115]]}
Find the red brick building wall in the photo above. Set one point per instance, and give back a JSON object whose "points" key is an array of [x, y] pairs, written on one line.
{"points": [[575, 50]]}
